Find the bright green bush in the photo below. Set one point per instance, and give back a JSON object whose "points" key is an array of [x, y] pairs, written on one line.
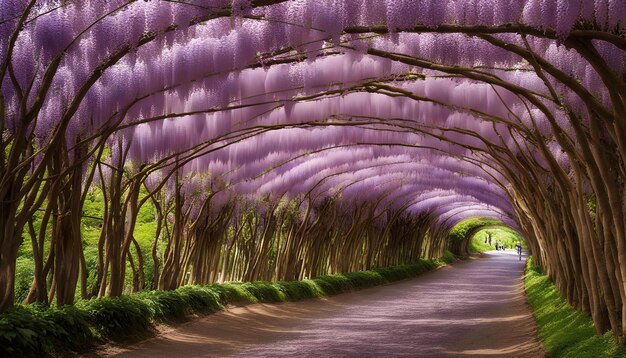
{"points": [[165, 304], [364, 279], [448, 257], [267, 291], [301, 290], [564, 331], [118, 317], [201, 298], [402, 272], [252, 290], [234, 293], [392, 273], [176, 304], [333, 284]]}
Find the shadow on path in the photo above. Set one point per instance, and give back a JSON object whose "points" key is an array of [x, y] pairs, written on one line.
{"points": [[474, 308]]}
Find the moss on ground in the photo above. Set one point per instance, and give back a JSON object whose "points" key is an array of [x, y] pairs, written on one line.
{"points": [[564, 331]]}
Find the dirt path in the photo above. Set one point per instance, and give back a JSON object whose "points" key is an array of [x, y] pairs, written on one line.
{"points": [[472, 309]]}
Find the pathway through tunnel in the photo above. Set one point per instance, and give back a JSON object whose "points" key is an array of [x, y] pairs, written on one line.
{"points": [[473, 308]]}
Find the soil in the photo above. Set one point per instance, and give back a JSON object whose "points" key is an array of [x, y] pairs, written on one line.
{"points": [[474, 308]]}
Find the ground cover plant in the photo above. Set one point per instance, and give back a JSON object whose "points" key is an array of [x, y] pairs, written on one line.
{"points": [[564, 331], [48, 331]]}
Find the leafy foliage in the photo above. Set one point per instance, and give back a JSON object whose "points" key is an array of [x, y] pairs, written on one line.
{"points": [[74, 331], [166, 304], [504, 235], [462, 229], [364, 279], [234, 293], [266, 291], [552, 313], [480, 229], [300, 290], [118, 317], [203, 299], [23, 331], [27, 330], [25, 268], [333, 284], [447, 257], [181, 302]]}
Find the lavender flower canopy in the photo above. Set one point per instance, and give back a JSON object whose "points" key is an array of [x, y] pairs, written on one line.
{"points": [[356, 100]]}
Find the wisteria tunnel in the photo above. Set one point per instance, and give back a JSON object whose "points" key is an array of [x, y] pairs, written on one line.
{"points": [[150, 145]]}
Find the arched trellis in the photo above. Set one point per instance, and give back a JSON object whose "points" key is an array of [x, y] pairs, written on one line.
{"points": [[538, 103]]}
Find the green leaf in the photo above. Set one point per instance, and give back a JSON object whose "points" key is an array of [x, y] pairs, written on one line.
{"points": [[28, 333]]}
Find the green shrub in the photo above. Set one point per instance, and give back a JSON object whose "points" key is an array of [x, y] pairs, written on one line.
{"points": [[397, 273], [201, 298], [24, 332], [268, 292], [364, 279], [165, 304], [116, 317], [252, 290], [300, 290], [41, 331], [333, 284], [401, 272], [234, 292], [261, 291], [430, 264], [448, 257], [388, 273], [72, 328]]}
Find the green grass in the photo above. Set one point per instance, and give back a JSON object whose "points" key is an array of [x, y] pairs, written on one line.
{"points": [[478, 245], [35, 330], [447, 258], [485, 226], [564, 331], [504, 235]]}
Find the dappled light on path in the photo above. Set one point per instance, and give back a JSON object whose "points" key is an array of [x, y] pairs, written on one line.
{"points": [[473, 308]]}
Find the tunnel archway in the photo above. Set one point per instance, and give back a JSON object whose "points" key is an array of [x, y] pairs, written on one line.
{"points": [[473, 234], [328, 138]]}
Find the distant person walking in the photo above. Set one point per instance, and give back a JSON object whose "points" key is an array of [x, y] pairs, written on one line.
{"points": [[518, 247], [497, 246]]}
